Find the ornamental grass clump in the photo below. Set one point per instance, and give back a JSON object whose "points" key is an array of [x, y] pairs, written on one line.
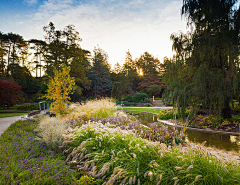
{"points": [[95, 108], [50, 131], [117, 156]]}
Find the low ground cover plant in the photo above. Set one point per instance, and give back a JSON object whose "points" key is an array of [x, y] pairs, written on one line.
{"points": [[24, 160], [217, 123]]}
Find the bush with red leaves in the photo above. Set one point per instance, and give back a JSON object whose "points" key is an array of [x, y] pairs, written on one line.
{"points": [[10, 93], [149, 81]]}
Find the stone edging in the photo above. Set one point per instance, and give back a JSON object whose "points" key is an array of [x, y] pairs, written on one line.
{"points": [[199, 130]]}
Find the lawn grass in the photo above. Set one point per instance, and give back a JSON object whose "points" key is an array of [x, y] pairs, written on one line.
{"points": [[10, 108], [150, 110], [4, 115]]}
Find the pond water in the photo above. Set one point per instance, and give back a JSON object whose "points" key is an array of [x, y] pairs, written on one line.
{"points": [[226, 142]]}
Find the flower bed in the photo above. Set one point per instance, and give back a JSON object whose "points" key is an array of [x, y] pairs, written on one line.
{"points": [[23, 160]]}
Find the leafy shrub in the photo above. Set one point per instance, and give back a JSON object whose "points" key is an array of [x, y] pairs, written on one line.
{"points": [[154, 90], [147, 100], [236, 107], [90, 98], [128, 98], [10, 93], [157, 98], [170, 114], [29, 107], [118, 103], [139, 97]]}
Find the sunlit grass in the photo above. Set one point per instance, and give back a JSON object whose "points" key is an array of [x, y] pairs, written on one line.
{"points": [[4, 115], [150, 110], [94, 108]]}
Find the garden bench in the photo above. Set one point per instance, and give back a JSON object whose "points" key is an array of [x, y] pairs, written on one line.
{"points": [[32, 113]]}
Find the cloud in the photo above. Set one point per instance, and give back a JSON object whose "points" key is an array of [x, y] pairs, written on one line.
{"points": [[31, 2], [116, 25]]}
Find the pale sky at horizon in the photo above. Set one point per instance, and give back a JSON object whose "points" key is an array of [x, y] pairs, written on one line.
{"points": [[114, 25]]}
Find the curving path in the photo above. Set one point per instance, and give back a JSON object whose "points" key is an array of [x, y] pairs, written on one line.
{"points": [[6, 122]]}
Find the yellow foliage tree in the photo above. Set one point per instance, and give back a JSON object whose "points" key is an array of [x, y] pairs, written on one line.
{"points": [[59, 89]]}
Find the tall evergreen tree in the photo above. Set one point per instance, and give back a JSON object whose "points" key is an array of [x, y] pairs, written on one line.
{"points": [[99, 73]]}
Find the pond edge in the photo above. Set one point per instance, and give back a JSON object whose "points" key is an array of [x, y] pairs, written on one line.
{"points": [[198, 129]]}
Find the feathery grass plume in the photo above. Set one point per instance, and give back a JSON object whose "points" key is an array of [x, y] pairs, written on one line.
{"points": [[172, 173], [124, 180], [139, 182], [190, 167], [159, 177], [197, 177], [179, 157], [137, 171], [210, 161], [178, 168], [145, 174], [184, 159], [188, 175], [176, 182], [175, 178], [158, 183], [224, 169], [130, 180], [220, 178], [203, 143], [182, 171], [134, 179], [51, 130], [96, 108], [184, 165], [134, 155]]}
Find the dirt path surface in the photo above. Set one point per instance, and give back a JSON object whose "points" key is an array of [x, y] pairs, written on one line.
{"points": [[6, 122]]}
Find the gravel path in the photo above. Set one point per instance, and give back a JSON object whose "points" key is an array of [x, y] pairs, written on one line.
{"points": [[6, 122]]}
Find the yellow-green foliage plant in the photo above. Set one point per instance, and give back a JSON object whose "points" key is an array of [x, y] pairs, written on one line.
{"points": [[59, 89], [50, 131], [95, 108]]}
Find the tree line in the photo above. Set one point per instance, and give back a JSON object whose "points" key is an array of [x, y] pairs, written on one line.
{"points": [[21, 58]]}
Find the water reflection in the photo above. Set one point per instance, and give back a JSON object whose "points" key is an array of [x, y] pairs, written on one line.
{"points": [[227, 142]]}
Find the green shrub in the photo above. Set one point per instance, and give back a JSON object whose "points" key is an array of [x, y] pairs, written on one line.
{"points": [[139, 97], [170, 114], [147, 100], [236, 107], [128, 98], [157, 98], [29, 107]]}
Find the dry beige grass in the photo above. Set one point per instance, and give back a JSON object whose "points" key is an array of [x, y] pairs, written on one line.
{"points": [[51, 131], [95, 108]]}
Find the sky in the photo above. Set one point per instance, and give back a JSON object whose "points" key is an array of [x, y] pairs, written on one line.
{"points": [[116, 26]]}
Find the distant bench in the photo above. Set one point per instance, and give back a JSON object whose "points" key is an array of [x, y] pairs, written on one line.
{"points": [[32, 113]]}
